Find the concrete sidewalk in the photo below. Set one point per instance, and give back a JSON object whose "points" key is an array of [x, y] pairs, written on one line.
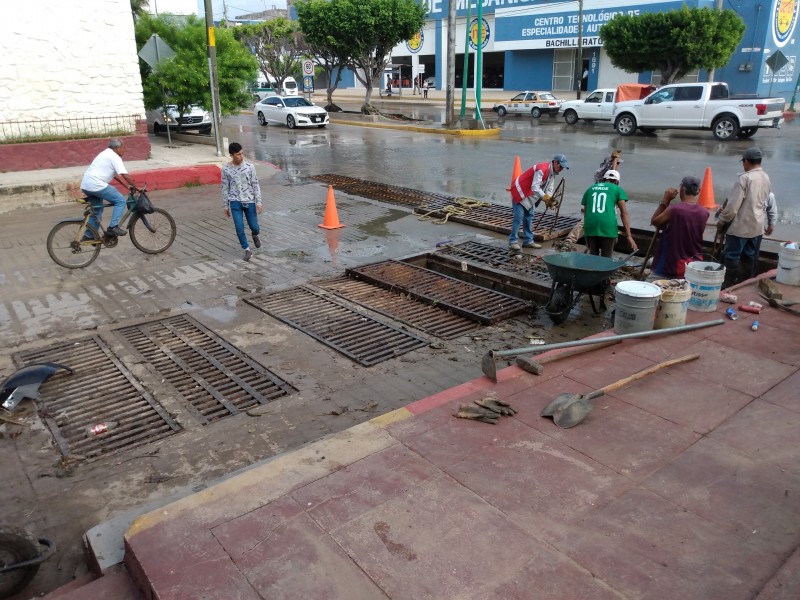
{"points": [[681, 485]]}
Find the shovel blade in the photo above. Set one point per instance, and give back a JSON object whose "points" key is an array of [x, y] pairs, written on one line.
{"points": [[573, 413], [488, 366], [559, 403]]}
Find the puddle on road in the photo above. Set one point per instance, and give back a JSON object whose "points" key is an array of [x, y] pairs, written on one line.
{"points": [[378, 227], [224, 314]]}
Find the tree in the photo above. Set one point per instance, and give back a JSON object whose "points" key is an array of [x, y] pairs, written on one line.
{"points": [[674, 42], [364, 33], [183, 79], [276, 45], [139, 8], [316, 20]]}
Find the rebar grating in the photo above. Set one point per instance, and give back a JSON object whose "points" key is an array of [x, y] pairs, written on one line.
{"points": [[430, 319], [356, 335], [465, 299], [494, 217], [102, 390], [499, 258], [213, 377]]}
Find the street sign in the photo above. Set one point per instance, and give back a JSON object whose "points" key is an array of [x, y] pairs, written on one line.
{"points": [[155, 50], [421, 68], [777, 61], [308, 85], [308, 67]]}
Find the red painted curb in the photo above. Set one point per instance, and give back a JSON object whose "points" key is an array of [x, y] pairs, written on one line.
{"points": [[175, 177]]}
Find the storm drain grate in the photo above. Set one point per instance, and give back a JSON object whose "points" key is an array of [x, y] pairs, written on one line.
{"points": [[465, 299], [212, 377], [102, 390], [494, 217], [430, 319], [499, 258], [379, 191], [356, 335], [498, 218]]}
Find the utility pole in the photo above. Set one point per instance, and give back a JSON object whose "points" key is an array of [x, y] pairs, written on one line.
{"points": [[579, 58], [451, 63], [216, 113]]}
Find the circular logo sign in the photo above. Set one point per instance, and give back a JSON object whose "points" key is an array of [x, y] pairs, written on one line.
{"points": [[473, 34], [784, 19], [414, 45], [308, 67]]}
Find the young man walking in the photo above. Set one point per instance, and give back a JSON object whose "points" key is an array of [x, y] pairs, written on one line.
{"points": [[241, 197]]}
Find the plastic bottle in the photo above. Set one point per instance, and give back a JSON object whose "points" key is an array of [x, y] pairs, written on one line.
{"points": [[731, 314], [100, 428], [754, 326]]}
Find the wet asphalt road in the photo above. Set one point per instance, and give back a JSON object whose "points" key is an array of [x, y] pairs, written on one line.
{"points": [[481, 167]]}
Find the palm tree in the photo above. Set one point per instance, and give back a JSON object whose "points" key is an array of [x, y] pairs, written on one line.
{"points": [[139, 8]]}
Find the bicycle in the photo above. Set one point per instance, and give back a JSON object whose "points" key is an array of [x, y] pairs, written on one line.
{"points": [[74, 244]]}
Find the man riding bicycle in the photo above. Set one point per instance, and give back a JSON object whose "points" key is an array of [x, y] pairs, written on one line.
{"points": [[106, 166]]}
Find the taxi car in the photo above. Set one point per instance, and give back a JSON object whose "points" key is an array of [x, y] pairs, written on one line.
{"points": [[529, 103]]}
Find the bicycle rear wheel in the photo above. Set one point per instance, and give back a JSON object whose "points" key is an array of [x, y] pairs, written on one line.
{"points": [[153, 233], [67, 248]]}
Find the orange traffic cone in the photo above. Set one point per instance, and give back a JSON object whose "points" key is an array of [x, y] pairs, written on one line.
{"points": [[706, 199], [515, 173], [331, 220]]}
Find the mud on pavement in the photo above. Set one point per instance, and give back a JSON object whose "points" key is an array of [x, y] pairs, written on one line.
{"points": [[116, 320]]}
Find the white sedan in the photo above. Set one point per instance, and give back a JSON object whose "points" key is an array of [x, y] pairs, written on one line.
{"points": [[293, 111]]}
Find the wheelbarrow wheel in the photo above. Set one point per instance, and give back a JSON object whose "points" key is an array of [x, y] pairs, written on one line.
{"points": [[16, 546], [560, 304]]}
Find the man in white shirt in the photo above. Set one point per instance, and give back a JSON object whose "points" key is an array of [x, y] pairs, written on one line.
{"points": [[96, 183]]}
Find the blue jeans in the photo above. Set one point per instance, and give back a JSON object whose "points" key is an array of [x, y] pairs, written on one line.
{"points": [[240, 212], [738, 249], [523, 217], [111, 194]]}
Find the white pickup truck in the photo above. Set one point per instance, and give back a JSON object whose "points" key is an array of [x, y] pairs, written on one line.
{"points": [[698, 106], [599, 105]]}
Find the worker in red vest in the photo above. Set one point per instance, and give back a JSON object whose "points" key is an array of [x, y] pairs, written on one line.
{"points": [[528, 190]]}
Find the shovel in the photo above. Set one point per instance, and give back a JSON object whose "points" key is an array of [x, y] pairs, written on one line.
{"points": [[570, 409]]}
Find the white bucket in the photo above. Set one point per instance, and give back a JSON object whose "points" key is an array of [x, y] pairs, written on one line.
{"points": [[788, 266], [674, 302], [636, 306], [705, 285]]}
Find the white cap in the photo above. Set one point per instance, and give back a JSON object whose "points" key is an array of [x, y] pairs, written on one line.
{"points": [[611, 174]]}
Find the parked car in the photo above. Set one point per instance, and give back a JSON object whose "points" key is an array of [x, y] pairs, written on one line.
{"points": [[198, 119], [293, 111], [532, 103], [599, 105], [289, 87]]}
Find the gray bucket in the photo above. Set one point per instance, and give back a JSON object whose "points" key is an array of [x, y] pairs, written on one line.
{"points": [[636, 306]]}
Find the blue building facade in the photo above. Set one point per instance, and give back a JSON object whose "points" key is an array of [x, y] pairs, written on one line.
{"points": [[532, 44]]}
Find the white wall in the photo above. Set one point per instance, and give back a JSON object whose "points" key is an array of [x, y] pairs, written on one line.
{"points": [[69, 58], [611, 76]]}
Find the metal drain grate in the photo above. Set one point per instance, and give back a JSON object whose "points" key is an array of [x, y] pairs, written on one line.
{"points": [[100, 390], [430, 319], [214, 378], [494, 217], [352, 333], [499, 258], [465, 299], [499, 218]]}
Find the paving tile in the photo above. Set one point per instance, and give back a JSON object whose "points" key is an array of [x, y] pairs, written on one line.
{"points": [[334, 500], [665, 347], [187, 562], [285, 555], [612, 366], [776, 343], [684, 399], [765, 432], [757, 502], [786, 393], [734, 369], [543, 485], [785, 584], [646, 547], [438, 540], [627, 439]]}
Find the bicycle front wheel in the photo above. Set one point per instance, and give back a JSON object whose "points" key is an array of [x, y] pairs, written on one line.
{"points": [[153, 233], [68, 248]]}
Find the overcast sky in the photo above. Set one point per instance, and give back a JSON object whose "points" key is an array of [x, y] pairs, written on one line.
{"points": [[235, 7]]}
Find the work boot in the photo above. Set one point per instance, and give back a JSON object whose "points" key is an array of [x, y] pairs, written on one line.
{"points": [[116, 230], [533, 245], [515, 246]]}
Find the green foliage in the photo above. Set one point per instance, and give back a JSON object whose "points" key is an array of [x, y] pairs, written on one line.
{"points": [[276, 44], [183, 80], [361, 32], [316, 18], [674, 42]]}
